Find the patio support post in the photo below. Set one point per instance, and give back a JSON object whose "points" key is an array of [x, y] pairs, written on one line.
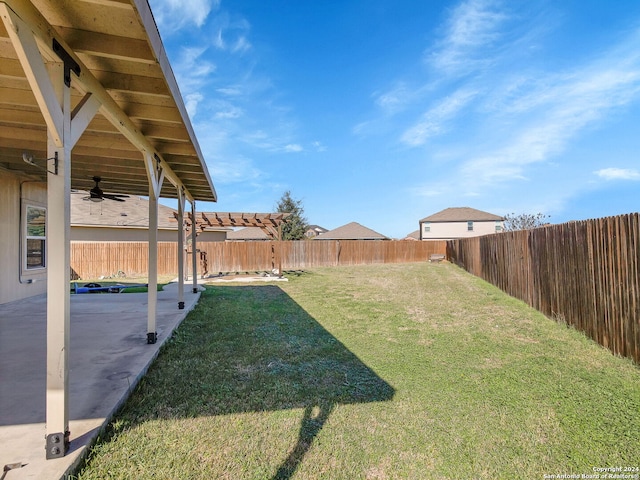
{"points": [[194, 250], [58, 281], [155, 175], [181, 204], [280, 250], [49, 76]]}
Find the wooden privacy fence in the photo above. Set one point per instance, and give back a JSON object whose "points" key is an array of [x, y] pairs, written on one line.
{"points": [[96, 259], [583, 273], [261, 256]]}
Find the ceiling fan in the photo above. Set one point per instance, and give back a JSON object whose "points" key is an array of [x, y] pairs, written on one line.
{"points": [[97, 195]]}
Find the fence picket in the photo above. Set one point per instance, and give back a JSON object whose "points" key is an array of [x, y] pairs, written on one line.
{"points": [[583, 273], [96, 259]]}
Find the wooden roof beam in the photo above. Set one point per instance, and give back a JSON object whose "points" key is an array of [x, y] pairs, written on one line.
{"points": [[87, 83], [102, 45]]}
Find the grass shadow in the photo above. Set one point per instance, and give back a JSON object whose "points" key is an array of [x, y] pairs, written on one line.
{"points": [[254, 349]]}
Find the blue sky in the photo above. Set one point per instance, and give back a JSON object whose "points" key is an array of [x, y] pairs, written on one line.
{"points": [[386, 111]]}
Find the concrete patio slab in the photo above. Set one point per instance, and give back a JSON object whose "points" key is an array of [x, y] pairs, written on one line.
{"points": [[108, 355]]}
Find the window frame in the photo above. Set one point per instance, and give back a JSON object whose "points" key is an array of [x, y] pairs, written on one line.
{"points": [[470, 226], [25, 237]]}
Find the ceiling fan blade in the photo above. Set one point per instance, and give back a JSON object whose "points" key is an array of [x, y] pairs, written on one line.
{"points": [[97, 195], [112, 197]]}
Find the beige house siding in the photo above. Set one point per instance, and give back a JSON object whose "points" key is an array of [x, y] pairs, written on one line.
{"points": [[15, 282], [451, 230], [80, 233]]}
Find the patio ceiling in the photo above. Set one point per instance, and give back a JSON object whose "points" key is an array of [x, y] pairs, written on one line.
{"points": [[122, 62]]}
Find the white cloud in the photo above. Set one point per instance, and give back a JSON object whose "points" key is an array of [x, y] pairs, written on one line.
{"points": [[191, 102], [241, 45], [396, 98], [555, 110], [230, 91], [434, 122], [218, 41], [172, 15], [429, 190], [193, 70], [270, 142], [293, 147], [230, 113], [618, 174], [258, 138], [472, 29], [533, 120], [225, 110], [238, 170], [318, 146], [231, 36]]}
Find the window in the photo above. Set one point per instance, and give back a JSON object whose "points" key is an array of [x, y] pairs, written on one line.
{"points": [[35, 237], [427, 227], [498, 225], [469, 226]]}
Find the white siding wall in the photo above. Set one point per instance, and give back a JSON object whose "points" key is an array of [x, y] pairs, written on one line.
{"points": [[123, 234], [451, 230], [13, 282]]}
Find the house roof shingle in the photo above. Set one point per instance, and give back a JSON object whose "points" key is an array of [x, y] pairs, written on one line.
{"points": [[351, 231], [461, 214], [415, 235], [133, 212], [317, 228], [248, 233]]}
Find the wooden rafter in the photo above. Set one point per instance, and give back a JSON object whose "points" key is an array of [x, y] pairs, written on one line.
{"points": [[267, 222], [124, 70]]}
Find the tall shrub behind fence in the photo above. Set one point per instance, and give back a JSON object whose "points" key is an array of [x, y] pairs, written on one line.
{"points": [[583, 273]]}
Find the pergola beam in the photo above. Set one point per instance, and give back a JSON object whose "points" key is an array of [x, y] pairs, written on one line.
{"points": [[267, 222]]}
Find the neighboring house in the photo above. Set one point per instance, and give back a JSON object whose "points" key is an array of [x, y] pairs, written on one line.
{"points": [[314, 231], [351, 231], [459, 222], [127, 221], [247, 234], [415, 235]]}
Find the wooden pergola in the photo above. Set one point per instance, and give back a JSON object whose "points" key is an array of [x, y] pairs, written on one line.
{"points": [[269, 223]]}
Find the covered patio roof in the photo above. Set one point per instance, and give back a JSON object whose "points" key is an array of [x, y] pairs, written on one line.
{"points": [[122, 64], [86, 90]]}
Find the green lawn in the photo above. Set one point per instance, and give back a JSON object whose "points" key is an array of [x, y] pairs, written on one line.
{"points": [[373, 372]]}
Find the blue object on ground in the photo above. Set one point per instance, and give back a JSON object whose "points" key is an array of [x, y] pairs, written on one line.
{"points": [[97, 288]]}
